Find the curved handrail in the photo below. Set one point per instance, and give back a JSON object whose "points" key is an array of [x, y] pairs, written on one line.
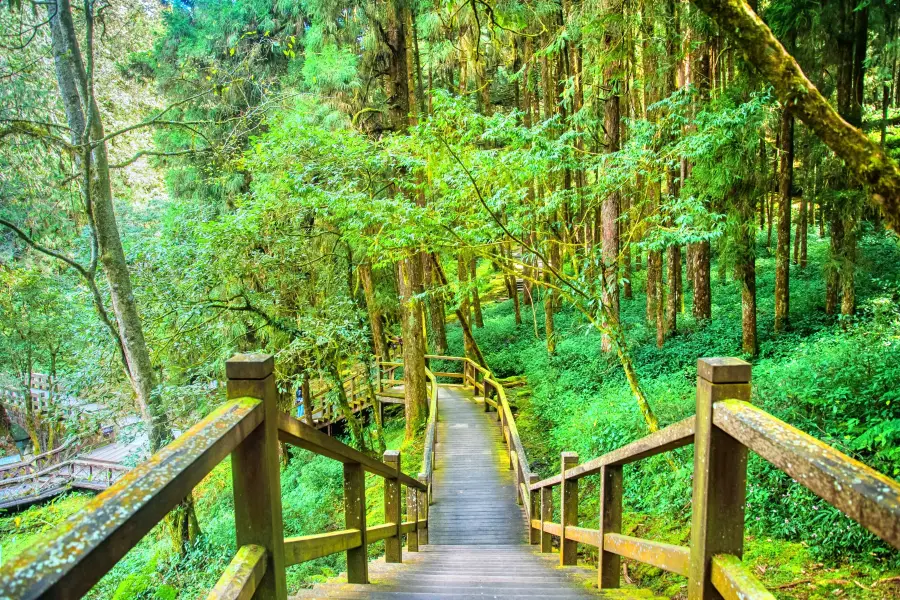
{"points": [[430, 431]]}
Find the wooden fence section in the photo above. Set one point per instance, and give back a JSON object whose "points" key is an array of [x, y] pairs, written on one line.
{"points": [[248, 427], [723, 430], [74, 473]]}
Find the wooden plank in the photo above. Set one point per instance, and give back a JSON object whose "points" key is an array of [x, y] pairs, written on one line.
{"points": [[609, 563], [448, 374], [568, 549], [355, 518], [412, 515], [88, 544], [735, 582], [297, 433], [675, 559], [860, 492], [552, 529], [669, 438], [308, 547], [393, 549], [422, 523], [719, 485], [581, 535], [376, 533], [408, 527], [546, 517], [242, 576]]}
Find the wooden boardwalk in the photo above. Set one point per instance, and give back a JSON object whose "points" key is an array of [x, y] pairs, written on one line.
{"points": [[477, 545]]}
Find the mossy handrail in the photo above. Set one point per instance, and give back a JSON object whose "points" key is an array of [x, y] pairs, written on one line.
{"points": [[724, 428], [248, 426]]}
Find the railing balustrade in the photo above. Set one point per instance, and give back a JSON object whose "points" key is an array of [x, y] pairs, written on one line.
{"points": [[248, 427]]}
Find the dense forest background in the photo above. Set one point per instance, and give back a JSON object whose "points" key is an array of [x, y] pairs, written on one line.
{"points": [[585, 195]]}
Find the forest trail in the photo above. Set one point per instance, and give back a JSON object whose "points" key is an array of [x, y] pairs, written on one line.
{"points": [[478, 547]]}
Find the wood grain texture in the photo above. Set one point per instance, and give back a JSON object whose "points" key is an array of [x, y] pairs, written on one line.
{"points": [[242, 576]]}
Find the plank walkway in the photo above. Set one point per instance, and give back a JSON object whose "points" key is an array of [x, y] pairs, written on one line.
{"points": [[477, 545]]}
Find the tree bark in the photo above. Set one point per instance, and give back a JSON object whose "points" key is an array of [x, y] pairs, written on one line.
{"points": [[412, 324], [436, 310], [379, 342], [783, 248], [476, 300], [610, 207]]}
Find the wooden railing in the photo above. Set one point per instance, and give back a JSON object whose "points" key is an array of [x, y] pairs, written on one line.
{"points": [[58, 478], [357, 391], [724, 428], [40, 461], [248, 427]]}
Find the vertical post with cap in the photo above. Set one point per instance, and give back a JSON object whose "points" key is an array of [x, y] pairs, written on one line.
{"points": [[422, 507], [568, 549], [720, 474], [393, 550], [535, 503], [412, 514], [355, 518], [609, 563], [255, 471], [546, 517]]}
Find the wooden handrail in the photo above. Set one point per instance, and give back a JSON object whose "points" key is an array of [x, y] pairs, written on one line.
{"points": [[297, 433], [91, 542], [674, 436], [862, 493], [247, 426], [430, 432]]}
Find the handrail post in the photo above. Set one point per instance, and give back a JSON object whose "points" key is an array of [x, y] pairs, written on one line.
{"points": [[609, 564], [393, 550], [568, 549], [422, 506], [546, 517], [720, 474], [255, 471], [412, 514], [355, 518], [534, 534]]}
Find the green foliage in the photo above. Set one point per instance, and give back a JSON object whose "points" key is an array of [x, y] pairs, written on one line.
{"points": [[835, 381]]}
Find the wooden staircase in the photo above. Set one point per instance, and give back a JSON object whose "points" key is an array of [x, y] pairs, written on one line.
{"points": [[478, 547]]}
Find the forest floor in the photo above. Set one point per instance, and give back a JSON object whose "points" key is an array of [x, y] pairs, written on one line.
{"points": [[833, 378]]}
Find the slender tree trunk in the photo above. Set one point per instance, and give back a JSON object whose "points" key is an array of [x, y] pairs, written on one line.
{"points": [[86, 125], [702, 307], [411, 277], [610, 208], [783, 249], [436, 310], [379, 341], [476, 301]]}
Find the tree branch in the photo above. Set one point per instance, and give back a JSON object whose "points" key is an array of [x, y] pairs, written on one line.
{"points": [[866, 159]]}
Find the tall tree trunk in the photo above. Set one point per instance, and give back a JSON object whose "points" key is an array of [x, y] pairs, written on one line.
{"points": [[436, 310], [414, 391], [610, 208], [76, 89], [746, 272], [476, 300], [379, 341], [783, 249], [702, 307]]}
